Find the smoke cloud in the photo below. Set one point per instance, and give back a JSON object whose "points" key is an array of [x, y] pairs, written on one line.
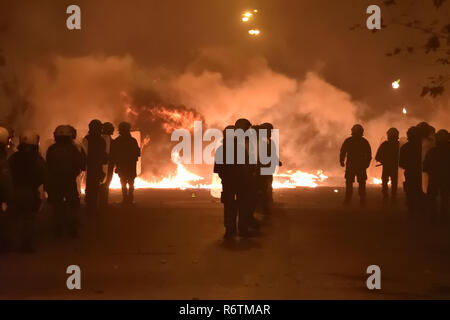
{"points": [[313, 116]]}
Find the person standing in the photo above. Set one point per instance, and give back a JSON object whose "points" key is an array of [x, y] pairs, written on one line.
{"points": [[5, 187], [28, 174], [5, 175], [227, 174], [437, 166], [64, 164], [266, 180], [126, 153], [355, 156], [388, 156], [107, 132], [246, 188], [95, 149], [411, 161]]}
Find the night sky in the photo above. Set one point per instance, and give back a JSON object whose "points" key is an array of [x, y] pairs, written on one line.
{"points": [[173, 38]]}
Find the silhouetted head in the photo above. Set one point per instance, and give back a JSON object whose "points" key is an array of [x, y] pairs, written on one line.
{"points": [[28, 141], [357, 130], [4, 137], [124, 128], [63, 134], [95, 127], [442, 137], [425, 130], [243, 124], [74, 132], [413, 134], [393, 134], [108, 128]]}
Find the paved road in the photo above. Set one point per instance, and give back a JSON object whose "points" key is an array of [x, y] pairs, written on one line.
{"points": [[170, 247]]}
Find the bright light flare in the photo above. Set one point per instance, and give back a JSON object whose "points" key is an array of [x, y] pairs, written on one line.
{"points": [[247, 15], [396, 84], [254, 32], [404, 111]]}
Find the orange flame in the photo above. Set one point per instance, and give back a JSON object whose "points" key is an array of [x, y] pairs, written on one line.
{"points": [[298, 179]]}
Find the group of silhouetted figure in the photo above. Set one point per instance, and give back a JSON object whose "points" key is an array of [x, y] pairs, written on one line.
{"points": [[25, 175], [244, 189], [426, 151]]}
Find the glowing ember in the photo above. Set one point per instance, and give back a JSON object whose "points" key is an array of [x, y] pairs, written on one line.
{"points": [[396, 84], [404, 111]]}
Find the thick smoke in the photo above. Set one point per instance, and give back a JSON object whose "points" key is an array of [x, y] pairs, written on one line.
{"points": [[313, 116]]}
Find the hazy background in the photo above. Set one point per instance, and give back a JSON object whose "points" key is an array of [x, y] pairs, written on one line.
{"points": [[163, 64]]}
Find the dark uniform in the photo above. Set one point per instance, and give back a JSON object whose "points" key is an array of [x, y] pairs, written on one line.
{"points": [[388, 156], [107, 130], [357, 151], [28, 173], [5, 187], [5, 177], [246, 188], [229, 180], [266, 180], [64, 163], [96, 157], [437, 166], [411, 161], [126, 153]]}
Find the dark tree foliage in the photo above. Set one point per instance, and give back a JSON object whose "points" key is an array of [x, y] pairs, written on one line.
{"points": [[436, 46]]}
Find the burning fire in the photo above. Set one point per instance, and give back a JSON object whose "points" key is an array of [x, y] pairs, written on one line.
{"points": [[379, 181], [182, 179], [376, 181], [291, 179]]}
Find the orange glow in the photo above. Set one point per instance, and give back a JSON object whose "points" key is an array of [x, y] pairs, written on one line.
{"points": [[396, 84], [254, 32], [376, 181], [181, 179], [174, 119], [291, 179]]}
